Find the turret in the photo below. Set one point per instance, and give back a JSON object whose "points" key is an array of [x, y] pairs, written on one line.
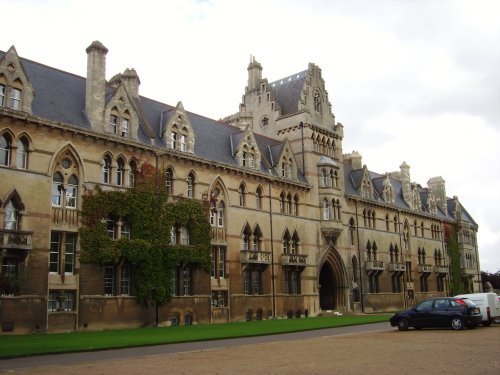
{"points": [[254, 74], [437, 185]]}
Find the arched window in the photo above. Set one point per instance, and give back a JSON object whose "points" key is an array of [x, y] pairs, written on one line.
{"points": [[326, 210], [132, 172], [289, 203], [106, 170], [241, 193], [352, 230], [2, 95], [387, 228], [220, 214], [22, 153], [113, 121], [247, 234], [15, 99], [57, 185], [182, 143], [5, 149], [120, 171], [190, 185], [282, 202], [257, 239], [173, 140], [169, 181], [125, 125], [11, 216], [72, 192], [258, 198], [294, 249], [296, 205], [286, 242], [335, 179], [324, 178]]}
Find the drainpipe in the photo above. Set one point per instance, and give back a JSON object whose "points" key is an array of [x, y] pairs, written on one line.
{"points": [[405, 290], [359, 257], [301, 124], [272, 251]]}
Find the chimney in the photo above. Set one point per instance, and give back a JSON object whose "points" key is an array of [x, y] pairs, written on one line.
{"points": [[437, 185], [131, 81], [254, 74], [355, 159], [406, 183], [96, 84]]}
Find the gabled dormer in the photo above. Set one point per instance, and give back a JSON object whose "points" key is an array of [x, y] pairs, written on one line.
{"points": [[366, 186], [120, 116], [431, 203], [177, 130], [16, 91], [388, 191], [285, 164], [416, 201], [247, 151]]}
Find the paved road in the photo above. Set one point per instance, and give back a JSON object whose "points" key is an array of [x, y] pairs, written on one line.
{"points": [[116, 354]]}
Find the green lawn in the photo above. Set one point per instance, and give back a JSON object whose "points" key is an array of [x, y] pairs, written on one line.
{"points": [[23, 345]]}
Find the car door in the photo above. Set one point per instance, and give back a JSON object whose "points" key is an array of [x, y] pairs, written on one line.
{"points": [[421, 316], [440, 314]]}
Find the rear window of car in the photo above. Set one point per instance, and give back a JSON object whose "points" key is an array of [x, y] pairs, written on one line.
{"points": [[462, 301]]}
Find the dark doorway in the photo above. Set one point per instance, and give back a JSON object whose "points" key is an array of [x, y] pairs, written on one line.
{"points": [[327, 288]]}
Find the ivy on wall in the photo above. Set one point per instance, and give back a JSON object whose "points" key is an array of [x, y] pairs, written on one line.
{"points": [[456, 282], [150, 215]]}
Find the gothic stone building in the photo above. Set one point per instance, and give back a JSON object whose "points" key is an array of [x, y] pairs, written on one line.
{"points": [[298, 227]]}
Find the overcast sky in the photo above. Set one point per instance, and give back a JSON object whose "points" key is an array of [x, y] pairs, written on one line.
{"points": [[414, 81]]}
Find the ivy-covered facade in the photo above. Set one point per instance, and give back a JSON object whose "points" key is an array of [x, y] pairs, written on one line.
{"points": [[121, 211]]}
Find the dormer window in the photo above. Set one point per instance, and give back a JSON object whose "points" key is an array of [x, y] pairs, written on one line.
{"points": [[173, 140], [125, 128], [15, 99], [112, 124], [182, 143]]}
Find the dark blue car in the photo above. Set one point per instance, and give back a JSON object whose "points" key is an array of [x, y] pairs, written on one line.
{"points": [[456, 313]]}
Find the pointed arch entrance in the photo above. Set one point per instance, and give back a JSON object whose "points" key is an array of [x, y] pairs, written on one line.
{"points": [[332, 284]]}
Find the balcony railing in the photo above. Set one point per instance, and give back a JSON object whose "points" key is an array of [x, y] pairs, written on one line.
{"points": [[397, 267], [293, 259], [218, 234], [257, 257], [440, 269], [61, 216], [424, 268], [374, 265], [468, 271], [16, 239]]}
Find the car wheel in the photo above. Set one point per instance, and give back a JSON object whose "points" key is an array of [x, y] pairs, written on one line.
{"points": [[457, 323], [403, 324]]}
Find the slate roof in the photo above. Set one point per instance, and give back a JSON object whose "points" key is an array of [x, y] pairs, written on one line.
{"points": [[353, 178], [287, 92], [60, 97]]}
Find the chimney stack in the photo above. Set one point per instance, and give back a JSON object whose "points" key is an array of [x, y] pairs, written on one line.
{"points": [[131, 81], [254, 74], [437, 185], [96, 84]]}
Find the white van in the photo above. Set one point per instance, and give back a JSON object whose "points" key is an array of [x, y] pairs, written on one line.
{"points": [[489, 303]]}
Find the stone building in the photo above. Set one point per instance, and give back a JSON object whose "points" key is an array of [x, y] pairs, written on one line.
{"points": [[298, 227]]}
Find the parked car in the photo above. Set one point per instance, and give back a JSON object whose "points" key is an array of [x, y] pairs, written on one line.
{"points": [[456, 313], [489, 303]]}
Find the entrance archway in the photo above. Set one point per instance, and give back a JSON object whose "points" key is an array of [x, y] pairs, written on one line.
{"points": [[332, 282], [327, 288]]}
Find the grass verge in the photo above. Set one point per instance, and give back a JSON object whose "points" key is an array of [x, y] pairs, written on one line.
{"points": [[35, 344]]}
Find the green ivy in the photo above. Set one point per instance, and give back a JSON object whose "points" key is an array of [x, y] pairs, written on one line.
{"points": [[456, 282], [151, 216]]}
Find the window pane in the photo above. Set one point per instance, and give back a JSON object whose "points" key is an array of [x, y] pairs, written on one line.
{"points": [[55, 243], [109, 281], [69, 256], [4, 150], [15, 99]]}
